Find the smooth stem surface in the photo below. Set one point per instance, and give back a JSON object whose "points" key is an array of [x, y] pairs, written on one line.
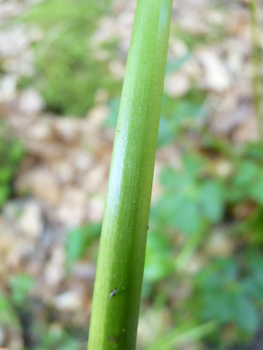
{"points": [[116, 300]]}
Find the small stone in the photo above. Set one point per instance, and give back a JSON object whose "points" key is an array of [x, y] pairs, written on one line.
{"points": [[2, 335], [117, 68], [215, 73], [73, 206], [67, 129], [85, 271], [224, 168], [70, 301], [30, 102], [219, 245], [42, 183], [55, 269], [95, 208], [177, 84], [31, 221]]}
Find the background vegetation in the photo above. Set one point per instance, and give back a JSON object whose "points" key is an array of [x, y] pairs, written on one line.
{"points": [[70, 83], [204, 268]]}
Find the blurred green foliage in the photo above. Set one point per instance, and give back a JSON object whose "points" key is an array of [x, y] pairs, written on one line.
{"points": [[67, 72], [20, 285], [216, 192], [58, 339], [79, 239], [181, 335], [230, 291], [8, 316], [189, 202], [200, 199], [15, 308], [176, 115], [11, 153]]}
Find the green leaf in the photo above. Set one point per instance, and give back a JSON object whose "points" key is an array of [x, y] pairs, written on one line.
{"points": [[254, 150], [79, 239], [158, 260], [180, 207], [179, 211], [184, 334], [212, 201], [170, 179], [20, 287], [165, 135], [187, 217], [4, 193], [162, 212], [256, 191], [70, 344], [252, 288], [67, 44], [176, 64], [245, 314], [247, 170], [8, 316], [6, 174], [216, 306], [16, 152], [193, 164], [114, 105]]}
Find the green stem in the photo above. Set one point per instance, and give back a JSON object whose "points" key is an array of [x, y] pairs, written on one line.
{"points": [[256, 66], [117, 292]]}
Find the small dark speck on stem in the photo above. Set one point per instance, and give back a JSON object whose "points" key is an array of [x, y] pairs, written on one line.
{"points": [[113, 339], [113, 292]]}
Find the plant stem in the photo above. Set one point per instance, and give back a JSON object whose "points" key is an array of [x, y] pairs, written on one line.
{"points": [[116, 300]]}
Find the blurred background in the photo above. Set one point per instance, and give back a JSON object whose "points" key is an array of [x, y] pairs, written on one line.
{"points": [[62, 64]]}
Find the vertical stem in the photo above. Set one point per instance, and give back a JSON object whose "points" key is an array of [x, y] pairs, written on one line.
{"points": [[256, 66], [116, 300]]}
